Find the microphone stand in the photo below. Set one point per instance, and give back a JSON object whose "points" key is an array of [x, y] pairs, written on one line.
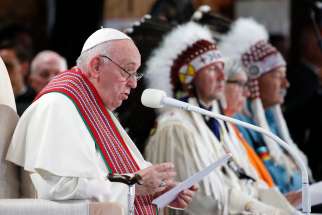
{"points": [[306, 203]]}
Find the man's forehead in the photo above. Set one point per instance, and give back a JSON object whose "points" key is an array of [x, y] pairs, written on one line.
{"points": [[9, 59], [280, 71], [7, 53], [48, 65], [125, 51], [217, 64]]}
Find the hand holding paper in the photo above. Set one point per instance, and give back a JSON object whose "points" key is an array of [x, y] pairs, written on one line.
{"points": [[184, 198], [169, 196]]}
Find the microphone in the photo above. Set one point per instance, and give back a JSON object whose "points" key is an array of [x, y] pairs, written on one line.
{"points": [[154, 98]]}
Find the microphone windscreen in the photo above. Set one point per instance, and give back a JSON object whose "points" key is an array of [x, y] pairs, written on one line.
{"points": [[152, 98]]}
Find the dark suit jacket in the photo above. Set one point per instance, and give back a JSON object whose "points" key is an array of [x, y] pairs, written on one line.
{"points": [[304, 114], [23, 101]]}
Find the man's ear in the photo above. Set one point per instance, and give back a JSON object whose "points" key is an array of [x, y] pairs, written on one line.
{"points": [[94, 66]]}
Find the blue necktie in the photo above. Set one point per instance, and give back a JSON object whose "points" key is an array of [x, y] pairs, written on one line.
{"points": [[212, 123], [214, 126]]}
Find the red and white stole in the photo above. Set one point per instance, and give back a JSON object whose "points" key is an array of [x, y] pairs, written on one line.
{"points": [[108, 140]]}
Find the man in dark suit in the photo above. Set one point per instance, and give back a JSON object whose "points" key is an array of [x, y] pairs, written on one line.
{"points": [[304, 100]]}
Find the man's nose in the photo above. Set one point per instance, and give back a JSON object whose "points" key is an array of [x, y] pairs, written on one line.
{"points": [[286, 83], [246, 92], [221, 75], [132, 82]]}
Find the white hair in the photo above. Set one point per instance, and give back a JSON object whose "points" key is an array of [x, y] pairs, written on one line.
{"points": [[244, 33], [233, 67], [85, 57], [45, 56]]}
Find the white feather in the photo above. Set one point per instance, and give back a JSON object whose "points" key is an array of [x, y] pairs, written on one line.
{"points": [[244, 33], [158, 66]]}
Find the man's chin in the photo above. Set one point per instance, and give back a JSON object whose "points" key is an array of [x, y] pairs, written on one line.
{"points": [[217, 96], [281, 101], [119, 104], [115, 106]]}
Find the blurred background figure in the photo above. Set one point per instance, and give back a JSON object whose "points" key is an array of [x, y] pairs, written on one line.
{"points": [[44, 67], [236, 90], [236, 95], [16, 49], [16, 59], [304, 98]]}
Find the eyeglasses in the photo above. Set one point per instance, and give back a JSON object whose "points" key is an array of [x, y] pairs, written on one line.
{"points": [[127, 75], [241, 84]]}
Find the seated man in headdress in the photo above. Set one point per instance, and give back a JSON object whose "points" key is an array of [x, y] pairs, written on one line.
{"points": [[236, 95], [266, 70]]}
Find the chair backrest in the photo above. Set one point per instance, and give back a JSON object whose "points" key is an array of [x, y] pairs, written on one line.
{"points": [[110, 208], [9, 173], [6, 92]]}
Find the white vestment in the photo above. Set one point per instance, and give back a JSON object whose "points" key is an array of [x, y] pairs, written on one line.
{"points": [[185, 139], [52, 141], [6, 92]]}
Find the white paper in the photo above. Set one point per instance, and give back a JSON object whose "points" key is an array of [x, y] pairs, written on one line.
{"points": [[163, 200]]}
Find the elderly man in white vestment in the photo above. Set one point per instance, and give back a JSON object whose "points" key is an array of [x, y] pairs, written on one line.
{"points": [[188, 66], [70, 140]]}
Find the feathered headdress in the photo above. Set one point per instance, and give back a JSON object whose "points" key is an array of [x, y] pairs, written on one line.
{"points": [[184, 51], [247, 41]]}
